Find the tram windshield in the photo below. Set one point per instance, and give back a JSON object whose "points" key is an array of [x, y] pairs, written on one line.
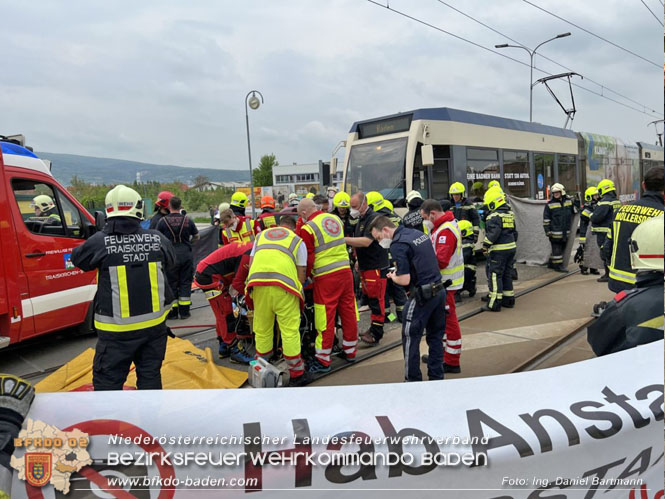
{"points": [[378, 166]]}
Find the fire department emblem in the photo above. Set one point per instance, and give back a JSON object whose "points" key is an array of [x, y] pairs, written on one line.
{"points": [[332, 227], [38, 468], [276, 233]]}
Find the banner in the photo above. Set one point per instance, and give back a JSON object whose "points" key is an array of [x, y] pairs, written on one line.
{"points": [[589, 429]]}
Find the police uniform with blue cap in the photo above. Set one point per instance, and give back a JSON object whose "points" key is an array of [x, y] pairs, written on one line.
{"points": [[425, 309]]}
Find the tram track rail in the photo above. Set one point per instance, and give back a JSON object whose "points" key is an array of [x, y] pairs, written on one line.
{"points": [[201, 336]]}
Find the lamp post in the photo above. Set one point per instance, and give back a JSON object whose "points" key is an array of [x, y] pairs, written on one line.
{"points": [[253, 102], [532, 54]]}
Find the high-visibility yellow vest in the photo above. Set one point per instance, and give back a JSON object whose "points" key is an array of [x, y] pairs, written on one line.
{"points": [[244, 233], [455, 269], [274, 261], [330, 253]]}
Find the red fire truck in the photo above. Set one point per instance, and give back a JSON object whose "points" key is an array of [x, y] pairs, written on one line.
{"points": [[40, 224]]}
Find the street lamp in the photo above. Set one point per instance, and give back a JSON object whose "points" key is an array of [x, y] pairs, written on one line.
{"points": [[253, 102], [532, 53]]}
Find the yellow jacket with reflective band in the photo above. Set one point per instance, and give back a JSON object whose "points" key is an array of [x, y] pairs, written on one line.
{"points": [[244, 232], [455, 269], [274, 261], [330, 253]]}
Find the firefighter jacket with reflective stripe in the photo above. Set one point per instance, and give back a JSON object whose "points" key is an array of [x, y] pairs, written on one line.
{"points": [[455, 268], [633, 318], [268, 219], [500, 231], [327, 233], [274, 261], [395, 219], [617, 249], [604, 212], [132, 290], [245, 232], [468, 252], [467, 211], [558, 217], [585, 220]]}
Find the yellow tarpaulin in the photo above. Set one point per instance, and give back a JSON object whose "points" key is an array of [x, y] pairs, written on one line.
{"points": [[185, 367]]}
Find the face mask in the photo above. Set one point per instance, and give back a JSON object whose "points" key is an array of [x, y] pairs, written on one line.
{"points": [[429, 225], [385, 243], [354, 213]]}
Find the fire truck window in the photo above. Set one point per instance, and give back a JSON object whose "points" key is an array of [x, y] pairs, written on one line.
{"points": [[37, 203], [72, 217]]}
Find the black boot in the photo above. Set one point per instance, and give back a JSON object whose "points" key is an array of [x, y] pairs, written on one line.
{"points": [[173, 314], [183, 310]]}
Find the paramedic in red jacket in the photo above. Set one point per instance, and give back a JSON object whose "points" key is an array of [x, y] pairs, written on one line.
{"points": [[215, 274], [447, 241]]}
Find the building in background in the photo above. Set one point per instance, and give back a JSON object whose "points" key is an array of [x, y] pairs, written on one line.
{"points": [[303, 178], [213, 186]]}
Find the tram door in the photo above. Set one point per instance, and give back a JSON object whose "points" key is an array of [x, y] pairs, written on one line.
{"points": [[433, 181], [439, 179], [544, 164]]}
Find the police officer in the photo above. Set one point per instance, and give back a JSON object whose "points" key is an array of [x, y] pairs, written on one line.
{"points": [[500, 245], [462, 208], [161, 208], [239, 203], [417, 268], [557, 219], [182, 232], [591, 198], [635, 316], [133, 297], [629, 216], [372, 260], [601, 219]]}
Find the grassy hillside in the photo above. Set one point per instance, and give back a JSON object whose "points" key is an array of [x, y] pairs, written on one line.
{"points": [[114, 171]]}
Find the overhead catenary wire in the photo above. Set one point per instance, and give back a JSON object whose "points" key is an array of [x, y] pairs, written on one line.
{"points": [[601, 85], [593, 34], [425, 23], [654, 15]]}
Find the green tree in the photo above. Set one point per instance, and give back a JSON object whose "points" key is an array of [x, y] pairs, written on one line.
{"points": [[263, 174]]}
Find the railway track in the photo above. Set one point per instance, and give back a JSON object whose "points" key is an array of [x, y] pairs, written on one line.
{"points": [[202, 336]]}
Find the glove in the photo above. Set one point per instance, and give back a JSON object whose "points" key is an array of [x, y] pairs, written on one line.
{"points": [[548, 234], [16, 396], [579, 254]]}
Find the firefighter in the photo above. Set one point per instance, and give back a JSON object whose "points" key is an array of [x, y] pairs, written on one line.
{"points": [[239, 203], [463, 209], [328, 264], [372, 260], [237, 228], [601, 218], [500, 245], [133, 298], [557, 218], [413, 219], [635, 316], [590, 200], [447, 242], [341, 204], [293, 200], [425, 310], [331, 192], [469, 254], [46, 210], [276, 274], [16, 397], [309, 195], [268, 218], [161, 208], [182, 232], [218, 275], [629, 216]]}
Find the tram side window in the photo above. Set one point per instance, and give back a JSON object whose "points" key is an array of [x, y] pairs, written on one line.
{"points": [[567, 176], [36, 202], [516, 175], [482, 166]]}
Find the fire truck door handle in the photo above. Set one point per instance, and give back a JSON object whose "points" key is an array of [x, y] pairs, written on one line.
{"points": [[35, 255]]}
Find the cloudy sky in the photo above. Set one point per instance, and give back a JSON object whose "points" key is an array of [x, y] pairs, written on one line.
{"points": [[165, 81]]}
